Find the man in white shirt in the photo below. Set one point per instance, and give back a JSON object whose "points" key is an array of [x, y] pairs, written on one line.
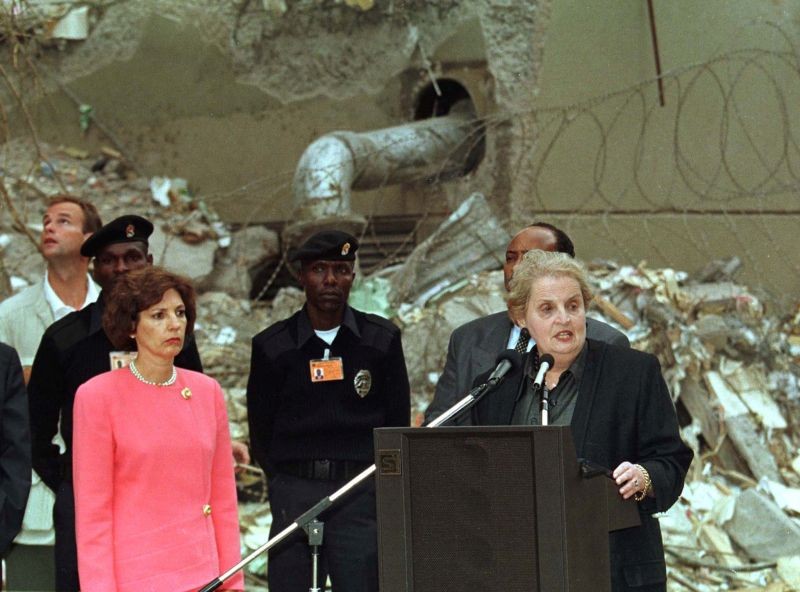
{"points": [[66, 287]]}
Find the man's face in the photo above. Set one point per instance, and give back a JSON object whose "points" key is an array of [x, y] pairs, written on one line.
{"points": [[62, 231], [116, 259], [327, 284], [530, 238]]}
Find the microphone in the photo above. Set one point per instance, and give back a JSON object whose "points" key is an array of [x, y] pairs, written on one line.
{"points": [[545, 363], [507, 361]]}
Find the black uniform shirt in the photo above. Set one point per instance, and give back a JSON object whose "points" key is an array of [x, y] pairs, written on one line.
{"points": [[73, 350], [292, 418]]}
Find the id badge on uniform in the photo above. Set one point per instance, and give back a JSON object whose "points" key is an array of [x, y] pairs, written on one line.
{"points": [[326, 370], [120, 359]]}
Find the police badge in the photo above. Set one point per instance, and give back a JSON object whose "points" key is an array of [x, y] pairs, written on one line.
{"points": [[363, 383]]}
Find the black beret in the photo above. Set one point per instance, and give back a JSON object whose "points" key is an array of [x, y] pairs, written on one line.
{"points": [[125, 229], [327, 245]]}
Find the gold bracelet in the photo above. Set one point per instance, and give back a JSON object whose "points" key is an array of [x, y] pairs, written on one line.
{"points": [[648, 484]]}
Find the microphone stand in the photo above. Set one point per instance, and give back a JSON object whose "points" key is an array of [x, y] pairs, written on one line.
{"points": [[314, 531], [310, 515], [545, 403]]}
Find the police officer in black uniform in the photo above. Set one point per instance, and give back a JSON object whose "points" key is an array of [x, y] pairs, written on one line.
{"points": [[73, 350], [320, 381]]}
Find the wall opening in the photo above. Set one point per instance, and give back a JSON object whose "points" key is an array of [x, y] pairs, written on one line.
{"points": [[430, 103]]}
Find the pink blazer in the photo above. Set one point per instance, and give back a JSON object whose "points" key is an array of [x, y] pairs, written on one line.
{"points": [[155, 497]]}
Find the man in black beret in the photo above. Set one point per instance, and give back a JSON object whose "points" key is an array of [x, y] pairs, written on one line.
{"points": [[320, 381], [73, 350], [118, 247]]}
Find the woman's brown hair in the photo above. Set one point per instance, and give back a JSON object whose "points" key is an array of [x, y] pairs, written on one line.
{"points": [[136, 291]]}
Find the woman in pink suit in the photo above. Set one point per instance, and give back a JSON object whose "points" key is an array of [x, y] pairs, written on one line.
{"points": [[155, 497]]}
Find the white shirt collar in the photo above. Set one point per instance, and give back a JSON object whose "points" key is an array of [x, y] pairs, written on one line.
{"points": [[514, 336], [327, 336], [57, 305]]}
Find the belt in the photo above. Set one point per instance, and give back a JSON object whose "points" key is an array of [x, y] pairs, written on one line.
{"points": [[323, 470]]}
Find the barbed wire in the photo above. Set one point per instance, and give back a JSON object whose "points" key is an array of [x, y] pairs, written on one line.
{"points": [[615, 156]]}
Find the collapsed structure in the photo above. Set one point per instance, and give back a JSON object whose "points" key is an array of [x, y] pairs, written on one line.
{"points": [[730, 361]]}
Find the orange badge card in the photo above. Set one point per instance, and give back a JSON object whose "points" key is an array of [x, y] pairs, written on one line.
{"points": [[326, 370]]}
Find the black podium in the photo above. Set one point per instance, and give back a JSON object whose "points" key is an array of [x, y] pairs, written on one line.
{"points": [[492, 509]]}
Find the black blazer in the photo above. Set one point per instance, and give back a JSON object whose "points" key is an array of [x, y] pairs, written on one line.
{"points": [[623, 412], [15, 447], [473, 348]]}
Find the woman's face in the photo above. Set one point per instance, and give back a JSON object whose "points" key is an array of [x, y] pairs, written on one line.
{"points": [[161, 329], [556, 317]]}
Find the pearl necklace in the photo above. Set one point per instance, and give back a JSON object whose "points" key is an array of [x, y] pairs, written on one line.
{"points": [[168, 382]]}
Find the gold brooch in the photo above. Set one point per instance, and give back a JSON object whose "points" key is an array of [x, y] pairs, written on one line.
{"points": [[186, 393]]}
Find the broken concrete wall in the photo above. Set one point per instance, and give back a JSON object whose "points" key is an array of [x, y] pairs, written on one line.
{"points": [[677, 184], [229, 94]]}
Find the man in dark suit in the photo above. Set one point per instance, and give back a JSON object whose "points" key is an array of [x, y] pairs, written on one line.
{"points": [[474, 346], [15, 444]]}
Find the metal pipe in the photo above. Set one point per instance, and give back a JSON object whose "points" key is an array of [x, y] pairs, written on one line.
{"points": [[337, 163]]}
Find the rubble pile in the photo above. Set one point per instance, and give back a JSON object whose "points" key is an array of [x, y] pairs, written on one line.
{"points": [[731, 363], [732, 368]]}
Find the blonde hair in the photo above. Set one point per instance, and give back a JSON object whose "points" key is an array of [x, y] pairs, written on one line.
{"points": [[537, 264]]}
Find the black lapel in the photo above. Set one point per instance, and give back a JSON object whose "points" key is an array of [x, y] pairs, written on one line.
{"points": [[491, 344], [586, 396]]}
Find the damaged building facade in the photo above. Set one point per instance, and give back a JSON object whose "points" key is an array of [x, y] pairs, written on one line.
{"points": [[573, 125], [664, 142]]}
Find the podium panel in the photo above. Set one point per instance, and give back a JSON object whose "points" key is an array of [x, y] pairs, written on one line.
{"points": [[488, 509]]}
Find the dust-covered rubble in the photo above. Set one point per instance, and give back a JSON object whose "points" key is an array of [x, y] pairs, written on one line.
{"points": [[730, 361]]}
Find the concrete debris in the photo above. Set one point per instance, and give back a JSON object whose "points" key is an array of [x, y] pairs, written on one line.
{"points": [[286, 302], [250, 248], [789, 571], [49, 21], [720, 270], [372, 295], [762, 529], [787, 498], [73, 26], [194, 260], [730, 362], [166, 191], [362, 4], [276, 7], [455, 246]]}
